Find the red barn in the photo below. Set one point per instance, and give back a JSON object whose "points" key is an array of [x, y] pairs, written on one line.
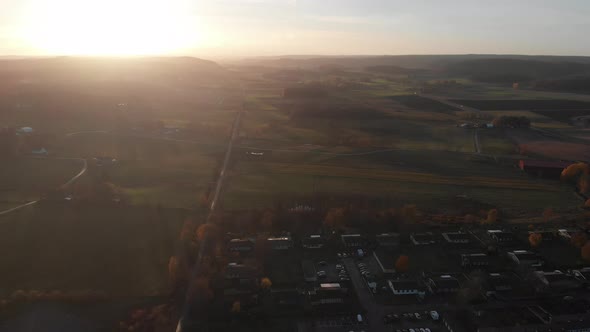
{"points": [[543, 168]]}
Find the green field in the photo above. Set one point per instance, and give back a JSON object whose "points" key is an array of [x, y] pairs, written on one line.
{"points": [[152, 171], [429, 179], [25, 179], [120, 251]]}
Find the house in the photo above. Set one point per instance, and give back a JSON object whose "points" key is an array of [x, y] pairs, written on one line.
{"points": [[241, 276], [104, 161], [386, 260], [543, 168], [280, 243], [525, 258], [353, 240], [41, 151], [567, 233], [555, 281], [582, 274], [456, 237], [405, 287], [24, 131], [444, 284], [500, 236], [329, 294], [388, 239], [478, 260], [499, 282], [422, 238], [240, 245], [313, 242]]}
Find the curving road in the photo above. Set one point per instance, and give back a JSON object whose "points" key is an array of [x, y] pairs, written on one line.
{"points": [[65, 185]]}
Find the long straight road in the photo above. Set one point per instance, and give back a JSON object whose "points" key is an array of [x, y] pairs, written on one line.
{"points": [[214, 203]]}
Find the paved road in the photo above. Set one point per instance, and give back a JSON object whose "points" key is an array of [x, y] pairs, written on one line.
{"points": [[65, 185], [476, 141], [374, 311], [214, 200], [234, 136]]}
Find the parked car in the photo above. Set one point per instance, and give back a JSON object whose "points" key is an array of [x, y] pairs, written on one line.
{"points": [[417, 315], [323, 263], [321, 274]]}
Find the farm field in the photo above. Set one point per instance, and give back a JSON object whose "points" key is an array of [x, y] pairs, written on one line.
{"points": [[61, 246], [26, 179], [404, 177], [151, 170]]}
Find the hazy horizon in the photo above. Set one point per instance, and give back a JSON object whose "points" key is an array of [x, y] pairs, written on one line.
{"points": [[288, 27]]}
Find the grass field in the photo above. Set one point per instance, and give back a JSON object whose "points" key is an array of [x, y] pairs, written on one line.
{"points": [[25, 179], [404, 177], [121, 251], [153, 171]]}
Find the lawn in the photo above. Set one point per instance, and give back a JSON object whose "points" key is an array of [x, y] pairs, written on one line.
{"points": [[495, 142], [122, 251]]}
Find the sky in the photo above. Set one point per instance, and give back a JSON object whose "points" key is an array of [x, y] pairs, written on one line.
{"points": [[289, 27]]}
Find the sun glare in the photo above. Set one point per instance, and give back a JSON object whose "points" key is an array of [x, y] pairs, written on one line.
{"points": [[110, 27]]}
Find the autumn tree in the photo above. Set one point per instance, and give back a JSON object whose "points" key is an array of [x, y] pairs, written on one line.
{"points": [[200, 291], [267, 220], [492, 216], [535, 239], [334, 218], [207, 231], [579, 239], [265, 283], [409, 213], [548, 214], [578, 173], [402, 264], [236, 307], [585, 251]]}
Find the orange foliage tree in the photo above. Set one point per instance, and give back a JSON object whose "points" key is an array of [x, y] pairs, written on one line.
{"points": [[585, 251], [409, 213], [265, 283], [206, 230], [548, 214], [578, 173], [579, 239], [535, 239], [492, 216], [334, 218], [236, 307], [402, 264]]}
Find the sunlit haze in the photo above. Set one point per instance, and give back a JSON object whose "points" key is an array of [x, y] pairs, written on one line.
{"points": [[272, 27]]}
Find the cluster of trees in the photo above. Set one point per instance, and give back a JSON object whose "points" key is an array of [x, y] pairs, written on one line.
{"points": [[508, 121], [514, 70], [578, 174], [149, 319], [576, 84]]}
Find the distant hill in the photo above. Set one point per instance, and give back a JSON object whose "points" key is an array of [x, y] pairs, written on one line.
{"points": [[440, 62], [89, 68], [515, 70]]}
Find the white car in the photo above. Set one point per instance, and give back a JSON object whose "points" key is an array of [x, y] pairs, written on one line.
{"points": [[434, 315]]}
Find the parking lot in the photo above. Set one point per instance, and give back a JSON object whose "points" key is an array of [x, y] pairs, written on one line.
{"points": [[422, 321]]}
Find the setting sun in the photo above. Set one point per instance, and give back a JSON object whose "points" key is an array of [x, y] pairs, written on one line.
{"points": [[110, 27]]}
